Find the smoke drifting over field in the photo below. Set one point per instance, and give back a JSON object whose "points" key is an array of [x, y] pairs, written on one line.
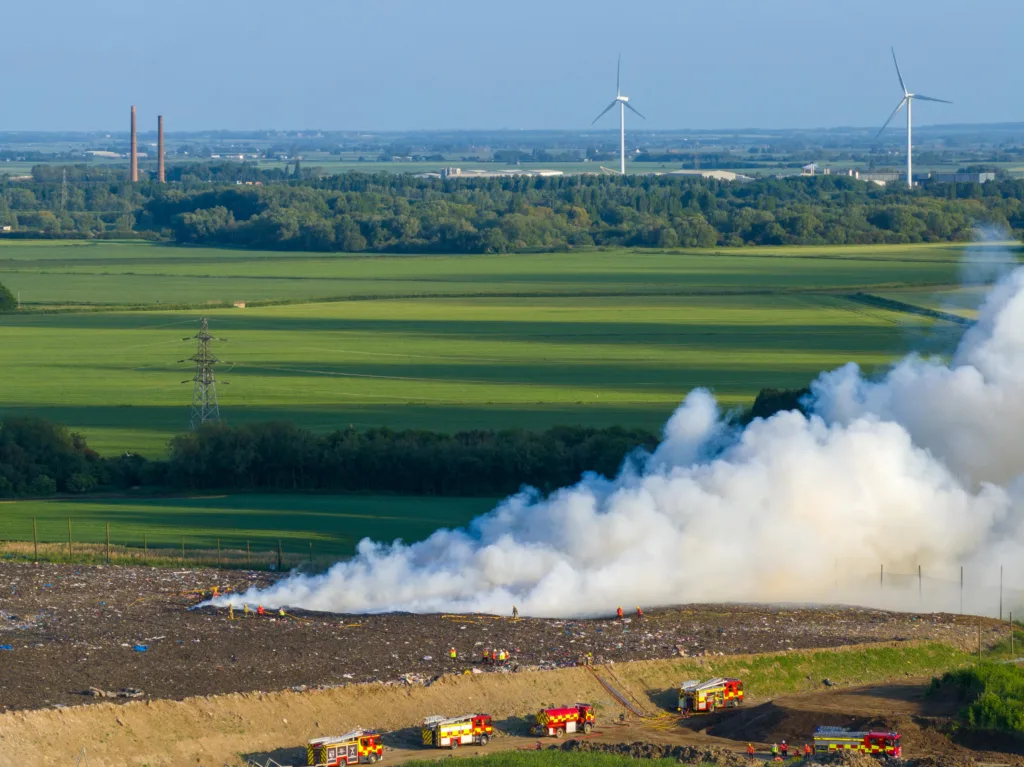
{"points": [[920, 467]]}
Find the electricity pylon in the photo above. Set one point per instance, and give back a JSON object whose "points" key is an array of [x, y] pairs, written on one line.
{"points": [[204, 382]]}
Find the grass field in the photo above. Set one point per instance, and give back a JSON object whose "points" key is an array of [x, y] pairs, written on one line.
{"points": [[443, 342], [332, 524]]}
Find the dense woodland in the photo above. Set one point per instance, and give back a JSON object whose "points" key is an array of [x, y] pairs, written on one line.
{"points": [[39, 458], [242, 206]]}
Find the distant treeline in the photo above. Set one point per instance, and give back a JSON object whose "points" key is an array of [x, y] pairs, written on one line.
{"points": [[242, 206], [41, 458]]}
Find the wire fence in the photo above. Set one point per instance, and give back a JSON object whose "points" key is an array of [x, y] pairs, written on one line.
{"points": [[73, 541], [975, 590]]}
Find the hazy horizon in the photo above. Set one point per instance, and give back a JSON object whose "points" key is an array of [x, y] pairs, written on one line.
{"points": [[793, 64]]}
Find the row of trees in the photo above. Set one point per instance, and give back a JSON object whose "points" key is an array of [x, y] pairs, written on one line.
{"points": [[242, 206], [500, 215], [40, 458]]}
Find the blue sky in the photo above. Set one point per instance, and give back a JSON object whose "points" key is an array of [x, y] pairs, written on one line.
{"points": [[437, 64]]}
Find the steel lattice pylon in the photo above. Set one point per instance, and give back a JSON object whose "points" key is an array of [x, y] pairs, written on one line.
{"points": [[204, 387]]}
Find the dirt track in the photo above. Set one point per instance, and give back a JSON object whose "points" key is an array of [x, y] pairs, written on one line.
{"points": [[72, 628], [229, 729]]}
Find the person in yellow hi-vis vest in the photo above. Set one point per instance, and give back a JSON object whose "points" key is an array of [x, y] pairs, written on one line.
{"points": [[452, 654]]}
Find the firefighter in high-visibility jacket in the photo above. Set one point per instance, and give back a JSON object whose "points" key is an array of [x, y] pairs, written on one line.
{"points": [[452, 654]]}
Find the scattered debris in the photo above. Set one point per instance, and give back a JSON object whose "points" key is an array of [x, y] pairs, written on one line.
{"points": [[127, 692], [70, 641]]}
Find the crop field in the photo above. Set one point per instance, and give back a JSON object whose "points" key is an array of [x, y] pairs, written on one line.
{"points": [[322, 525], [444, 342]]}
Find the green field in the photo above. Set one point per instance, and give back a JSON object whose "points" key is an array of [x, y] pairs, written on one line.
{"points": [[332, 524], [442, 342]]}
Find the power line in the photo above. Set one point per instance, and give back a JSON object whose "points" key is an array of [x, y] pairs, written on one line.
{"points": [[204, 382]]}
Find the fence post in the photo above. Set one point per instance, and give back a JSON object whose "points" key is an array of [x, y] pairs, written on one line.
{"points": [[280, 556], [108, 543], [35, 542], [248, 555], [69, 540]]}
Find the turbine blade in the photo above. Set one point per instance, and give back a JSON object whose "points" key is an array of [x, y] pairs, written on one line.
{"points": [[631, 107], [894, 113], [606, 110], [898, 73], [929, 98], [618, 77]]}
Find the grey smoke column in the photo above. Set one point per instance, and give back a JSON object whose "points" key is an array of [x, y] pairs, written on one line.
{"points": [[135, 150], [160, 149]]}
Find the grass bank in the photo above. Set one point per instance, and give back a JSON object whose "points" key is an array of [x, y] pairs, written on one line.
{"points": [[769, 675]]}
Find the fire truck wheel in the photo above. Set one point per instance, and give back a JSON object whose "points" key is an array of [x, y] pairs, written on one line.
{"points": [[372, 758], [484, 740], [587, 727], [560, 732], [455, 744]]}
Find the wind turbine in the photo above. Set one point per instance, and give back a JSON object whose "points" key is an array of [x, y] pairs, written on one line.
{"points": [[623, 102], [907, 99]]}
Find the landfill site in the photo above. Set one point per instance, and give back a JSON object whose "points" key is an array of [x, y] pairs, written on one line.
{"points": [[122, 666]]}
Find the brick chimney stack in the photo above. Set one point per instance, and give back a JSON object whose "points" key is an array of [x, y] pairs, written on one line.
{"points": [[135, 150], [160, 149]]}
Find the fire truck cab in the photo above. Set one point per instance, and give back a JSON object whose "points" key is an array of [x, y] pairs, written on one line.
{"points": [[875, 743], [558, 721], [452, 732], [356, 747], [705, 697]]}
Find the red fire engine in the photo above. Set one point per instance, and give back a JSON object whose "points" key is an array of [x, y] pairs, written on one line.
{"points": [[706, 697], [452, 732], [356, 747], [876, 743], [558, 721]]}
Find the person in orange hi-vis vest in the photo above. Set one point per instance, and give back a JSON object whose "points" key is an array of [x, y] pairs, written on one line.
{"points": [[259, 610], [639, 613], [750, 751], [619, 613]]}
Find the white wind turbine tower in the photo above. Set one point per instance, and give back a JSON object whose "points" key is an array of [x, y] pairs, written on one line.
{"points": [[907, 99], [623, 102]]}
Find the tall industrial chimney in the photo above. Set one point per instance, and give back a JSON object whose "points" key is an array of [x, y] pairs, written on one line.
{"points": [[160, 149], [135, 150]]}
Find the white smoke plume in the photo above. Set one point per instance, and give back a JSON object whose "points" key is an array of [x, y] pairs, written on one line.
{"points": [[918, 468]]}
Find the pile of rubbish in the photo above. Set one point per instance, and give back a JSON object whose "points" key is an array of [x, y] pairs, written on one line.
{"points": [[126, 692]]}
